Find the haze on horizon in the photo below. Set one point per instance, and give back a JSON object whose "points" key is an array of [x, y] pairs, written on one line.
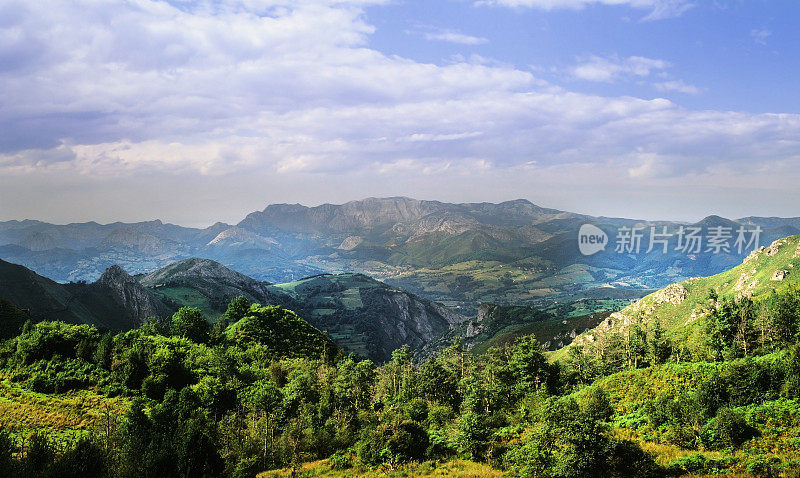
{"points": [[193, 112]]}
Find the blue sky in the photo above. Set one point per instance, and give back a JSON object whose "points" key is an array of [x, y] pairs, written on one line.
{"points": [[193, 112], [741, 55]]}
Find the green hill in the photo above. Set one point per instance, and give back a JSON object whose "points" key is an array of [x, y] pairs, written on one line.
{"points": [[205, 284], [679, 307], [282, 331]]}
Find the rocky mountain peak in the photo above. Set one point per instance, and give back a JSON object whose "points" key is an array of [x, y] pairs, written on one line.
{"points": [[115, 275]]}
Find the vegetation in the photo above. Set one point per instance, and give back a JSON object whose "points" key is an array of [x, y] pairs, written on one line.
{"points": [[655, 393]]}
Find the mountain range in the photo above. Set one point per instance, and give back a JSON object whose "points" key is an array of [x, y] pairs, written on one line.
{"points": [[513, 252], [362, 315]]}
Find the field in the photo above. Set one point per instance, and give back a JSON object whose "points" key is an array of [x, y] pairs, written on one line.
{"points": [[466, 284], [454, 468], [64, 417]]}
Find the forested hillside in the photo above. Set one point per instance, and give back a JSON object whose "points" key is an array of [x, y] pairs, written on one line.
{"points": [[704, 380]]}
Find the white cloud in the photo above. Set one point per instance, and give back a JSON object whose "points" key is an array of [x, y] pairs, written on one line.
{"points": [[609, 69], [677, 85], [287, 98], [659, 9], [455, 37]]}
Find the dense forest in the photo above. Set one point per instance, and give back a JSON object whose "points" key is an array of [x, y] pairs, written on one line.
{"points": [[261, 389]]}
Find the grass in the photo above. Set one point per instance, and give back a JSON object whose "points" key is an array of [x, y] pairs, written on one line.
{"points": [[62, 416], [680, 320], [453, 468], [189, 297], [778, 421]]}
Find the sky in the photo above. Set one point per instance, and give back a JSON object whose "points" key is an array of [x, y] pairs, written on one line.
{"points": [[195, 111]]}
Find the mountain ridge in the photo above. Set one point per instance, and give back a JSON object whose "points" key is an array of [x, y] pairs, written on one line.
{"points": [[447, 252]]}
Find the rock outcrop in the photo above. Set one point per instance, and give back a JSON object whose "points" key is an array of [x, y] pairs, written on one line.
{"points": [[138, 302]]}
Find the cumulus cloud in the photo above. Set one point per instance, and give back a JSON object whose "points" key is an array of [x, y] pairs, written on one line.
{"points": [[288, 96]]}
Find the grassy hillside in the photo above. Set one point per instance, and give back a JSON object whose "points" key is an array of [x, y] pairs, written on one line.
{"points": [[636, 396], [679, 307], [452, 468], [65, 417]]}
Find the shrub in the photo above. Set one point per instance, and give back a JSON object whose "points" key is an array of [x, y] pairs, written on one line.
{"points": [[408, 442], [727, 429]]}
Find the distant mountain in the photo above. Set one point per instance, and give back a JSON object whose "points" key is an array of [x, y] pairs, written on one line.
{"points": [[514, 252], [771, 222], [116, 301]]}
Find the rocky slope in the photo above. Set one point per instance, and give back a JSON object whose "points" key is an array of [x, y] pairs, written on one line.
{"points": [[679, 307], [366, 316], [116, 301], [206, 284], [135, 301]]}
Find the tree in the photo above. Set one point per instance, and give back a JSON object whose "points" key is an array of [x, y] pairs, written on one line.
{"points": [[660, 347], [727, 429], [7, 464], [237, 309], [189, 322]]}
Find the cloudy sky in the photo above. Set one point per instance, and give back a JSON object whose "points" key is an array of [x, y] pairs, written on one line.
{"points": [[195, 111]]}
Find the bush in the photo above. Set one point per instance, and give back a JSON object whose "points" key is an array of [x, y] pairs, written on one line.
{"points": [[727, 429], [340, 460], [85, 460], [627, 459], [408, 442], [712, 394], [46, 340]]}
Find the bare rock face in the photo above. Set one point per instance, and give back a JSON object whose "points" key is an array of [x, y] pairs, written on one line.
{"points": [[673, 293], [350, 243], [753, 254], [238, 237], [775, 247], [780, 274], [131, 295]]}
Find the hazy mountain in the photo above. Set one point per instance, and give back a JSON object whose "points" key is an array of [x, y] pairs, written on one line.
{"points": [[514, 252]]}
